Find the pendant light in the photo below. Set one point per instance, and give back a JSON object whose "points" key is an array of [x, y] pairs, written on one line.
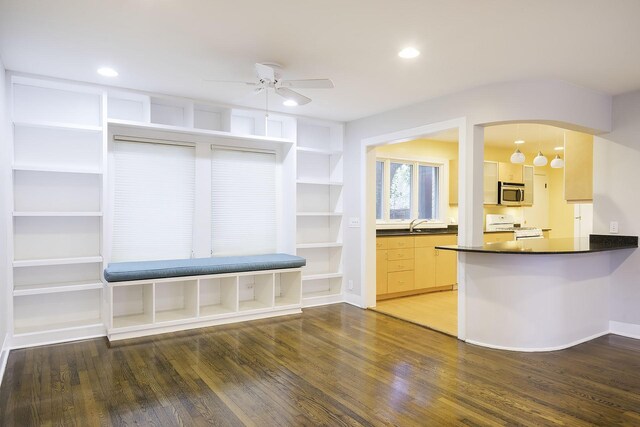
{"points": [[540, 160], [517, 156], [557, 161]]}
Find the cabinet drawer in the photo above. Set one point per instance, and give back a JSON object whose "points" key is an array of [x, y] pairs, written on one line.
{"points": [[381, 243], [396, 254], [400, 281], [400, 265], [399, 242]]}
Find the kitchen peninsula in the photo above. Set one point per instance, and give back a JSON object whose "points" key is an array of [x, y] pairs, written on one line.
{"points": [[538, 295]]}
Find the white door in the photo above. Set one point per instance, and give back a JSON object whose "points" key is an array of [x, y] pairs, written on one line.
{"points": [[538, 214], [583, 219]]}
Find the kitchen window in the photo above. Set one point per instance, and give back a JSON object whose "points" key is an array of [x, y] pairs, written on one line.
{"points": [[407, 189]]}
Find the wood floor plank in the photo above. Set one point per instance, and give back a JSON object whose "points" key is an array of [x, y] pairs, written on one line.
{"points": [[333, 365]]}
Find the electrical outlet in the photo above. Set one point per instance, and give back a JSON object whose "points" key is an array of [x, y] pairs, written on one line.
{"points": [[613, 227], [350, 285], [354, 222]]}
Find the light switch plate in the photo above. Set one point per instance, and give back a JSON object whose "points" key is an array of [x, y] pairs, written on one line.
{"points": [[354, 222], [613, 227]]}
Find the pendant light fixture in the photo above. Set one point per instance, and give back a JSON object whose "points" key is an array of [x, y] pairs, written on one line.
{"points": [[540, 160], [517, 157], [557, 161]]}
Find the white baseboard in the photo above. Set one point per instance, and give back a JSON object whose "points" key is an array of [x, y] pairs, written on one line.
{"points": [[538, 349], [354, 299], [629, 330], [4, 355]]}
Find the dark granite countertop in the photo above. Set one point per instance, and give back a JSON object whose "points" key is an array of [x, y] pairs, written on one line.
{"points": [[452, 229], [595, 243]]}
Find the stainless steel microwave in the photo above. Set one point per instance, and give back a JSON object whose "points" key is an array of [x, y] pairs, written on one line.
{"points": [[510, 193]]}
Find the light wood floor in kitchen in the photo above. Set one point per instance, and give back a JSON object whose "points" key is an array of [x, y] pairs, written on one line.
{"points": [[437, 310]]}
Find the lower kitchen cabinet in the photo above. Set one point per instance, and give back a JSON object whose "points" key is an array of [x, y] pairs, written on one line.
{"points": [[415, 266]]}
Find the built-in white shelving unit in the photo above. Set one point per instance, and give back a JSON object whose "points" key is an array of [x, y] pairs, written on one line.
{"points": [[56, 226], [59, 221], [319, 209]]}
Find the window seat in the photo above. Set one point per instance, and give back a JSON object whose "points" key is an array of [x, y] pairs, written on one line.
{"points": [[144, 270]]}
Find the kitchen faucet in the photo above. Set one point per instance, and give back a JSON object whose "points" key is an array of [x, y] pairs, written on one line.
{"points": [[413, 223]]}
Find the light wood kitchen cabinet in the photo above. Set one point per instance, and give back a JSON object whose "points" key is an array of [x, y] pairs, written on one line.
{"points": [[545, 234], [453, 182], [446, 263], [578, 167], [498, 237], [490, 177], [509, 172], [381, 271], [413, 265]]}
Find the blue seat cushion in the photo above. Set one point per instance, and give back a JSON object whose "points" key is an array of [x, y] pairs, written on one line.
{"points": [[144, 270]]}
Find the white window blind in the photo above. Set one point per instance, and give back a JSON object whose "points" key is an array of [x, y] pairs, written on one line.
{"points": [[154, 201], [243, 202]]}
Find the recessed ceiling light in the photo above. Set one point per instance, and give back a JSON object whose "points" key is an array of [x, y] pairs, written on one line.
{"points": [[107, 72], [290, 103], [520, 141], [559, 148], [408, 53]]}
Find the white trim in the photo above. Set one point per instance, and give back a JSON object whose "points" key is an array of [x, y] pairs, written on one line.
{"points": [[539, 349], [315, 301], [367, 244], [629, 330], [354, 299], [56, 336], [4, 356]]}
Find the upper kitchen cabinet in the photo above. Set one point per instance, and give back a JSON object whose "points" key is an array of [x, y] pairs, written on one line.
{"points": [[578, 167], [527, 175], [490, 183], [509, 172], [453, 182]]}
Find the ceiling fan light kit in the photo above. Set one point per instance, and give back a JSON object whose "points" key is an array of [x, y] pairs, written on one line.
{"points": [[269, 78]]}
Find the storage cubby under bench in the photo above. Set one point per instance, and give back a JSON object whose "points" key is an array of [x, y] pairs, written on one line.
{"points": [[153, 297]]}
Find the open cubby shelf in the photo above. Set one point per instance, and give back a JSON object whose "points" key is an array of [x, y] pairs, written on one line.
{"points": [[140, 306]]}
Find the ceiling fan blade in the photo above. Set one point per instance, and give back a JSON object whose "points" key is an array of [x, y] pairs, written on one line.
{"points": [[231, 81], [265, 72], [295, 96], [308, 83]]}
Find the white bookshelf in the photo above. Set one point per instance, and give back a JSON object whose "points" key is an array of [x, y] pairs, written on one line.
{"points": [[319, 210], [56, 219]]}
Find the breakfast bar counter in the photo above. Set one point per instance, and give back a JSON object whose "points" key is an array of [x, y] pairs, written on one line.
{"points": [[538, 294]]}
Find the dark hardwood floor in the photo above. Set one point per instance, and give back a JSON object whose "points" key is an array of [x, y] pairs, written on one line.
{"points": [[334, 365]]}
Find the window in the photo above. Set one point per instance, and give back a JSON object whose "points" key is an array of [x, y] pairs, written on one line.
{"points": [[243, 202], [409, 190], [154, 199]]}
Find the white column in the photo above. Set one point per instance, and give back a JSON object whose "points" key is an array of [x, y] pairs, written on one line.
{"points": [[470, 205]]}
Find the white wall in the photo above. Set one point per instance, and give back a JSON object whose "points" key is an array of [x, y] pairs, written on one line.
{"points": [[4, 177], [552, 102], [615, 198]]}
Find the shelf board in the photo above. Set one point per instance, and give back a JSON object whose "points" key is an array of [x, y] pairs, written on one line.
{"points": [[318, 245], [214, 310], [319, 182], [171, 315], [37, 168], [319, 214], [252, 305], [321, 276], [53, 288], [194, 131], [56, 261], [57, 214], [282, 301], [318, 151], [132, 320], [57, 326], [318, 294], [58, 125]]}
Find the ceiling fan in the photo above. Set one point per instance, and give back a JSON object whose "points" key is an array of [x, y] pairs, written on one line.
{"points": [[269, 78]]}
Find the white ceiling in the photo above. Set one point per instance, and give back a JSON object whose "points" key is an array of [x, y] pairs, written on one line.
{"points": [[169, 46]]}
